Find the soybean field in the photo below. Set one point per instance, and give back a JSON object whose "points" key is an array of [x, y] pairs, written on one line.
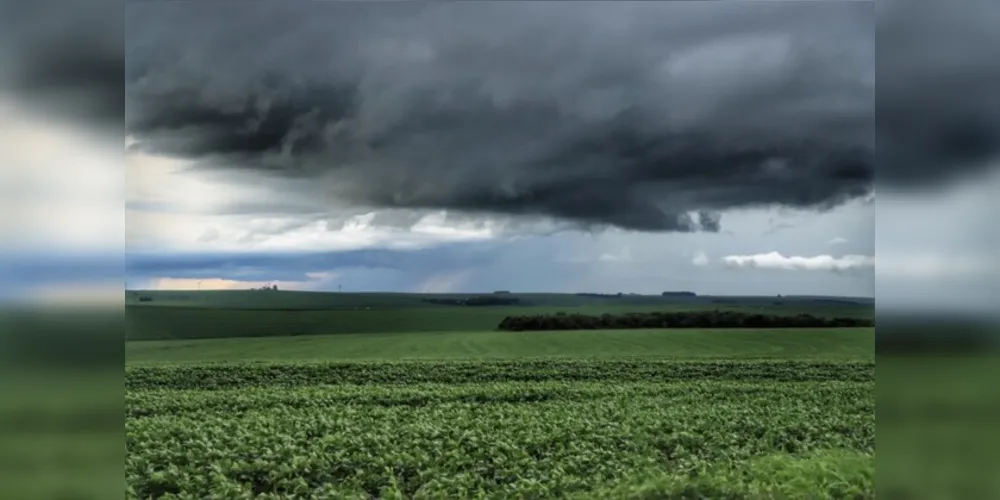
{"points": [[598, 414], [538, 429]]}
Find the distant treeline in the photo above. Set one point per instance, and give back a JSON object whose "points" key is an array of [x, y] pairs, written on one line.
{"points": [[684, 319], [481, 300], [620, 295], [601, 295]]}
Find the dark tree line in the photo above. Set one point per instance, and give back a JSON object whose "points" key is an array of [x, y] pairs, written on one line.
{"points": [[481, 300], [936, 334], [685, 319]]}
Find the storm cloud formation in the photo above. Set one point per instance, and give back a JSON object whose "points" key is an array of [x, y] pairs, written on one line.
{"points": [[65, 57], [647, 116], [938, 106]]}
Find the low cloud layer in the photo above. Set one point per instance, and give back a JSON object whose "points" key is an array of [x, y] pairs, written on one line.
{"points": [[777, 261], [616, 262]]}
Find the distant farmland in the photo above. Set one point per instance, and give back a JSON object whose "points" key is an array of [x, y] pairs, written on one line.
{"points": [[190, 315]]}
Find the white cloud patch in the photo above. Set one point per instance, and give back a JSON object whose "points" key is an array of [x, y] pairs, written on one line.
{"points": [[700, 259], [47, 204], [937, 265], [777, 261], [839, 240], [171, 207], [209, 235], [624, 256]]}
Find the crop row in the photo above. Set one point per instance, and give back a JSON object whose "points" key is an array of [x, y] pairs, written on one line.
{"points": [[158, 402], [507, 439], [241, 375]]}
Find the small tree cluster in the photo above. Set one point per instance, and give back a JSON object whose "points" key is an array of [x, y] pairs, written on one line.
{"points": [[685, 319]]}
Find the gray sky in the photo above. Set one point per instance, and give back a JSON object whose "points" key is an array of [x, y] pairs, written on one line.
{"points": [[721, 147]]}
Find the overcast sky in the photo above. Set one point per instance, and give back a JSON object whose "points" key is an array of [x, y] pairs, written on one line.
{"points": [[718, 147]]}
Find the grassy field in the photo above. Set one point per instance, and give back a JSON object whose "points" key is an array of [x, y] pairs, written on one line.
{"points": [[826, 343], [426, 401]]}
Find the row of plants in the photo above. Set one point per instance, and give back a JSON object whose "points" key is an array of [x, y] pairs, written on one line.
{"points": [[241, 375], [159, 402], [713, 429]]}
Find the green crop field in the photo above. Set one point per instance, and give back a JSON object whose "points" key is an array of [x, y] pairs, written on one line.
{"points": [[819, 343], [487, 429], [432, 402]]}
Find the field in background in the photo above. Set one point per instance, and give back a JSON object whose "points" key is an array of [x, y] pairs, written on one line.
{"points": [[285, 299], [415, 400], [218, 314], [820, 343]]}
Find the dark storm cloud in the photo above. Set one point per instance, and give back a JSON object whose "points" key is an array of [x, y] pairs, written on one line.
{"points": [[938, 105], [651, 116], [65, 57]]}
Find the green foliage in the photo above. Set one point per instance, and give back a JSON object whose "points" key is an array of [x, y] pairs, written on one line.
{"points": [[677, 319], [528, 429], [244, 375], [383, 413], [819, 474]]}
